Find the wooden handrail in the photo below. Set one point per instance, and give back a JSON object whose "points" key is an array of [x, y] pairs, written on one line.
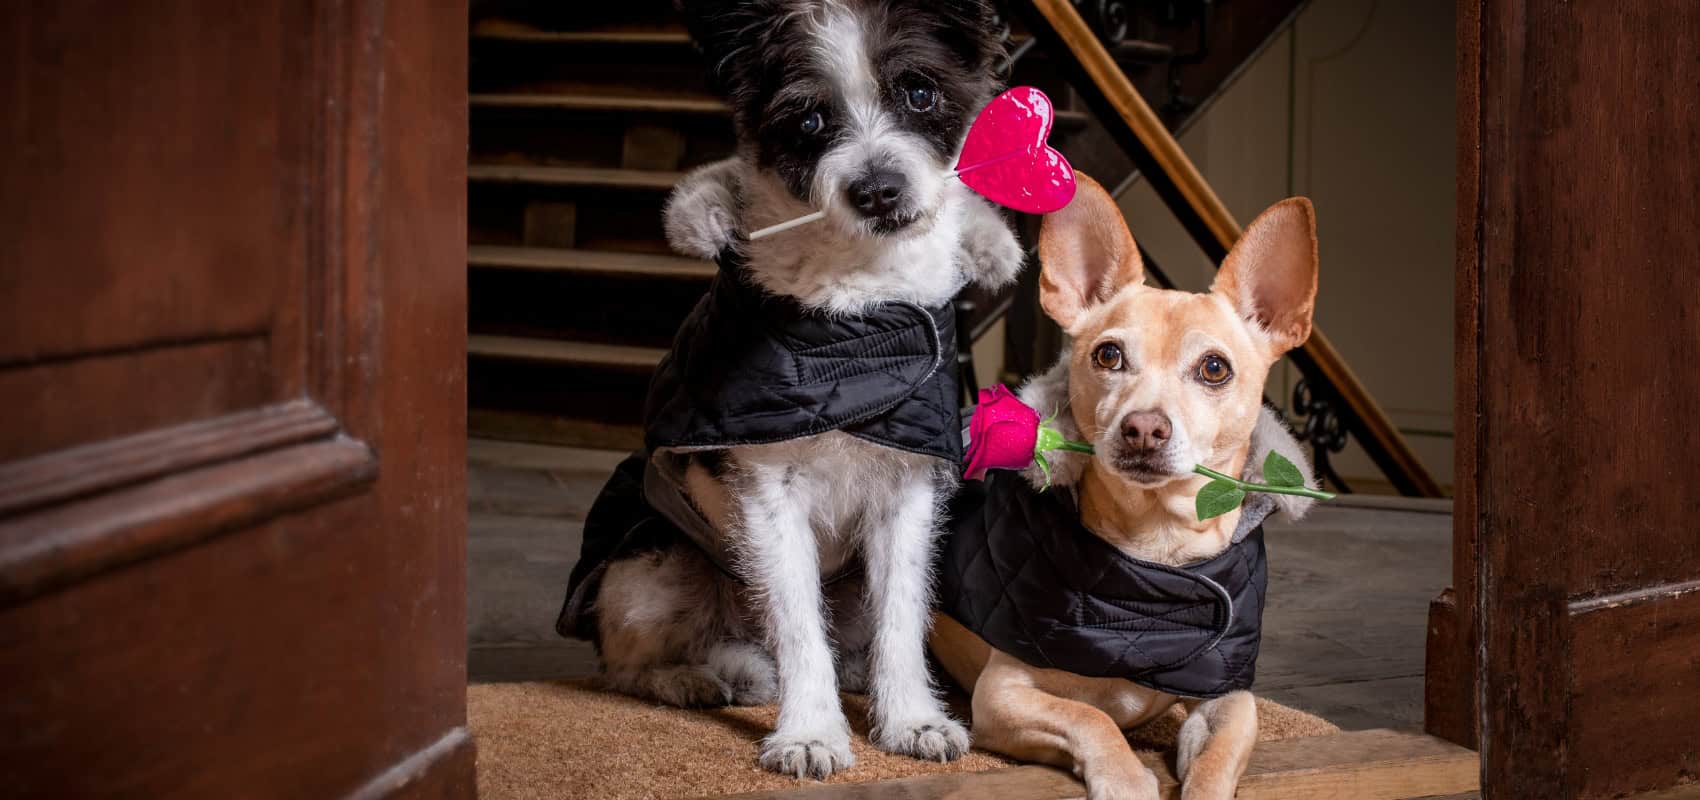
{"points": [[1189, 196]]}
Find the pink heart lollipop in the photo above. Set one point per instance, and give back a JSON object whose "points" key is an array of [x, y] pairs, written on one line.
{"points": [[1006, 158]]}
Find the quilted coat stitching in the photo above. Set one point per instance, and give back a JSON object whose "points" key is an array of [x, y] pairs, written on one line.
{"points": [[1189, 644], [881, 377]]}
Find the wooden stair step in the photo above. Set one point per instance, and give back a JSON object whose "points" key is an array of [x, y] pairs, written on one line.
{"points": [[583, 177], [1131, 52], [598, 102], [660, 104], [561, 431], [589, 262], [650, 37], [564, 353]]}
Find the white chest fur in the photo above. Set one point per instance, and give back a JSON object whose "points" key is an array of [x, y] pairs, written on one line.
{"points": [[842, 484]]}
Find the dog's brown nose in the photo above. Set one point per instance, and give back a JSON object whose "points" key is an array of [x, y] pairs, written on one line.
{"points": [[1146, 430]]}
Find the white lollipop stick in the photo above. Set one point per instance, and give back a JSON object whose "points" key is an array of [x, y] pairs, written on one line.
{"points": [[787, 225], [820, 215]]}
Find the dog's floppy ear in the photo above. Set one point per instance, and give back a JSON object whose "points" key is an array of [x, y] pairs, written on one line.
{"points": [[972, 29], [1086, 254], [1270, 275], [721, 29]]}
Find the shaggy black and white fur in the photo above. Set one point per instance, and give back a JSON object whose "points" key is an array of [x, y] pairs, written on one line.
{"points": [[857, 107]]}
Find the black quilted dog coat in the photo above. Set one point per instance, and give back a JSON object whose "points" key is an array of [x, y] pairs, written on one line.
{"points": [[751, 368], [1020, 571]]}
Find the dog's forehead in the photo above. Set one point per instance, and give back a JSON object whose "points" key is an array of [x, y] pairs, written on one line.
{"points": [[1167, 323]]}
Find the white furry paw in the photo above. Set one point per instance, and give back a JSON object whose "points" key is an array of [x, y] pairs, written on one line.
{"points": [[938, 739], [807, 755], [700, 217], [699, 230], [992, 254]]}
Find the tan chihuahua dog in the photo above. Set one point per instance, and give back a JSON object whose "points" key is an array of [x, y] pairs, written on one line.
{"points": [[1157, 381]]}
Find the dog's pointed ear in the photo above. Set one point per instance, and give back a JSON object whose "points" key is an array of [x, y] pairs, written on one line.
{"points": [[1270, 275], [1086, 254]]}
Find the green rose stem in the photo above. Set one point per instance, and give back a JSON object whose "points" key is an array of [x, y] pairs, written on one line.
{"points": [[1222, 494], [1246, 486], [1052, 439]]}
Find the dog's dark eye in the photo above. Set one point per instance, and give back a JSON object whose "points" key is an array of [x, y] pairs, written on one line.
{"points": [[812, 123], [921, 98], [1214, 370], [1107, 356]]}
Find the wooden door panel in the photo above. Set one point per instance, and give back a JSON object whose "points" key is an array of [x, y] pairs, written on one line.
{"points": [[182, 135], [232, 348], [289, 668], [69, 402], [164, 267], [1634, 678]]}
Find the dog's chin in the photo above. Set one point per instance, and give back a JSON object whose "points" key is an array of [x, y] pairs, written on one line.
{"points": [[1145, 470]]}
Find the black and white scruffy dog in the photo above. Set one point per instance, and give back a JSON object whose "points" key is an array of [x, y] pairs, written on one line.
{"points": [[857, 107]]}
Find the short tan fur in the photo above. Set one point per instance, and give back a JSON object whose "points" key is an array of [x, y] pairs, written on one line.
{"points": [[1159, 380]]}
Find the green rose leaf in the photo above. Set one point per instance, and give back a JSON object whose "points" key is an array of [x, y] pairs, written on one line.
{"points": [[1281, 472], [1218, 497]]}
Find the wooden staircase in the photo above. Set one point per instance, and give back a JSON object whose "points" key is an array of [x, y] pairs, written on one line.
{"points": [[580, 125]]}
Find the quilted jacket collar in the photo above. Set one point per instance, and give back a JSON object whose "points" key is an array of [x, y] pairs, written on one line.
{"points": [[1022, 572], [751, 368]]}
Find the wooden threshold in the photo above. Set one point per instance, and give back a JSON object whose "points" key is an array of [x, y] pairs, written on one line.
{"points": [[583, 177], [1355, 765], [589, 262], [563, 352]]}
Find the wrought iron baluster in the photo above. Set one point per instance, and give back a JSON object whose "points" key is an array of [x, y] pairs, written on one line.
{"points": [[1324, 429]]}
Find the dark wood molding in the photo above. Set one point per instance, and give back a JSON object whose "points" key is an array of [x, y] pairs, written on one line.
{"points": [[54, 547], [1449, 675], [1620, 600], [1633, 670], [444, 767], [91, 469], [1451, 702]]}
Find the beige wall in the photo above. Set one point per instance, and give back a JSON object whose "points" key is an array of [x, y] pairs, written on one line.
{"points": [[1354, 108]]}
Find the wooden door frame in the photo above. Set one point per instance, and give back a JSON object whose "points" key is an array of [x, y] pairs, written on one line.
{"points": [[1451, 707], [1563, 649]]}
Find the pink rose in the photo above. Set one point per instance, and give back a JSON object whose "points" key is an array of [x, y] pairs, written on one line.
{"points": [[1001, 434]]}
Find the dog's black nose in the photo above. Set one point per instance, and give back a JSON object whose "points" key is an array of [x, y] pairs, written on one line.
{"points": [[877, 194], [1146, 430]]}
